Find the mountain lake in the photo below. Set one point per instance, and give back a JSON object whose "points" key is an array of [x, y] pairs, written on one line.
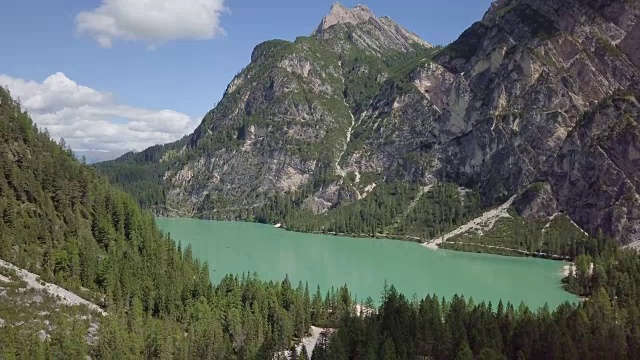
{"points": [[365, 264]]}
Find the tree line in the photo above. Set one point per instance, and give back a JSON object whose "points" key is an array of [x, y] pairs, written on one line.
{"points": [[606, 325]]}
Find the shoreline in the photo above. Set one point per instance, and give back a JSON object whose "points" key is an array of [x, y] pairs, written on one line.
{"points": [[525, 253], [429, 244], [432, 245], [572, 267], [566, 269], [482, 222]]}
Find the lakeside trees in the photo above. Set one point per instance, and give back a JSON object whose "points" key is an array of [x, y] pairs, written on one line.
{"points": [[604, 326]]}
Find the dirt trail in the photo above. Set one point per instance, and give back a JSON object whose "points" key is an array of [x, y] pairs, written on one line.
{"points": [[633, 245]]}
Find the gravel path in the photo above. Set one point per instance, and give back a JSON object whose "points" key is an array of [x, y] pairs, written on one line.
{"points": [[633, 245], [309, 342], [482, 222]]}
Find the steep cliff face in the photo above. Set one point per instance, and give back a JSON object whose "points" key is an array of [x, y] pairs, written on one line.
{"points": [[494, 109], [630, 45], [596, 175], [364, 102], [265, 134]]}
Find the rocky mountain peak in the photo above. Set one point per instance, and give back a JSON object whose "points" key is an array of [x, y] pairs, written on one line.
{"points": [[340, 14], [375, 34]]}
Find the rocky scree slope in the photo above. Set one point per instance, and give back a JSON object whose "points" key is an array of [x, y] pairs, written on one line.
{"points": [[537, 91]]}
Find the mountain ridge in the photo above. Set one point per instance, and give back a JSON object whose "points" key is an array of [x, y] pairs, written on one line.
{"points": [[329, 124]]}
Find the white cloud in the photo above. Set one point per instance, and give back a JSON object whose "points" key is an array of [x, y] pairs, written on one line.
{"points": [[90, 119], [152, 21]]}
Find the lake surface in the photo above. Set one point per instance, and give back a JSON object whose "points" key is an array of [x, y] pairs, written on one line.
{"points": [[364, 264]]}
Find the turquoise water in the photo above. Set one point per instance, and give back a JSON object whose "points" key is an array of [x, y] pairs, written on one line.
{"points": [[364, 264]]}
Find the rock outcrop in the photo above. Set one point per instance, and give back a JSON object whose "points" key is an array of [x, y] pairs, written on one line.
{"points": [[536, 202], [596, 175], [495, 109], [367, 31], [630, 45], [342, 15]]}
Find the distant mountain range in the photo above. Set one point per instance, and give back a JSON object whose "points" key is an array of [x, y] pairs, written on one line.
{"points": [[94, 156]]}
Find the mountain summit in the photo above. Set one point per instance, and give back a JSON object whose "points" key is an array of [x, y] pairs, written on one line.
{"points": [[373, 33], [339, 14]]}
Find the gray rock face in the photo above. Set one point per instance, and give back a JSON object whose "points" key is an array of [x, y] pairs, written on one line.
{"points": [[282, 119], [92, 333], [370, 33], [536, 202], [630, 45], [496, 107], [342, 15], [596, 176], [500, 109]]}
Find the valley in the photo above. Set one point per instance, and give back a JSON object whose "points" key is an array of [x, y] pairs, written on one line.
{"points": [[519, 138]]}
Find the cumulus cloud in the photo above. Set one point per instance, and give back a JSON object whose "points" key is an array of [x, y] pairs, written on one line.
{"points": [[151, 21], [91, 120]]}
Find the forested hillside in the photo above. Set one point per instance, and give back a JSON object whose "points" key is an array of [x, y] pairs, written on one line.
{"points": [[62, 221]]}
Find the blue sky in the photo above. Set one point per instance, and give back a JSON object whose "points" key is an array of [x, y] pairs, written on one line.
{"points": [[152, 62]]}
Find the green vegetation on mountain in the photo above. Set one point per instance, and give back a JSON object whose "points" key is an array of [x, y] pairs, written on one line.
{"points": [[390, 210], [294, 103], [143, 183], [509, 103], [143, 175], [557, 236], [68, 225]]}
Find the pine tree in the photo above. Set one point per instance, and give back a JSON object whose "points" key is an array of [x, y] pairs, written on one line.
{"points": [[388, 351], [293, 353], [464, 352], [304, 355], [316, 308]]}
